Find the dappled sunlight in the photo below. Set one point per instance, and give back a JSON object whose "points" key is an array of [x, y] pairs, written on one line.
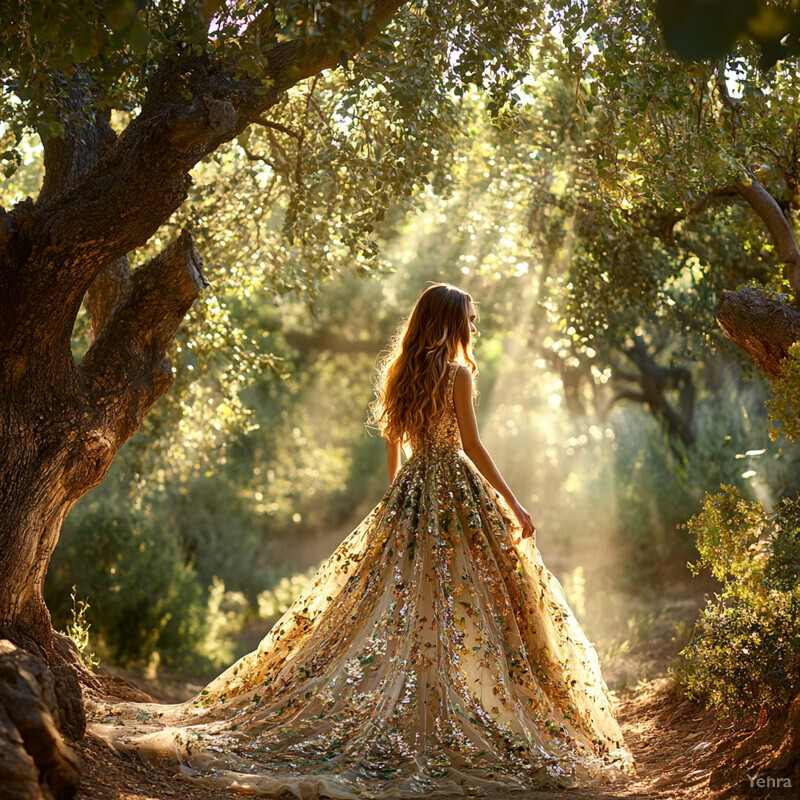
{"points": [[213, 218]]}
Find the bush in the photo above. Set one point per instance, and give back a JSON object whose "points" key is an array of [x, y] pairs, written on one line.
{"points": [[145, 598], [783, 406], [651, 500], [744, 651]]}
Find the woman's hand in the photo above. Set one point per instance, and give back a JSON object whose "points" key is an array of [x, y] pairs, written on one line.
{"points": [[524, 519]]}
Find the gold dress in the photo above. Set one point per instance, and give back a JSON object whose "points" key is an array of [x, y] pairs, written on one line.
{"points": [[428, 656]]}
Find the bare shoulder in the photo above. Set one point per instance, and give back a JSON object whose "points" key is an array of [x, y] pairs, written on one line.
{"points": [[463, 376], [462, 385]]}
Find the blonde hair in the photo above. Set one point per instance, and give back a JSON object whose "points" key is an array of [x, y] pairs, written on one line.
{"points": [[412, 372]]}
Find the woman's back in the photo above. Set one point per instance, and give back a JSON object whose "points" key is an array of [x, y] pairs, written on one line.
{"points": [[443, 434]]}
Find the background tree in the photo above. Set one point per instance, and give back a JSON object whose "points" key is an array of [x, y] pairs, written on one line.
{"points": [[669, 152]]}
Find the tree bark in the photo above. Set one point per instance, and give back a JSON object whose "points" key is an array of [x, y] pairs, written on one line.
{"points": [[761, 325], [765, 205], [332, 343], [105, 291]]}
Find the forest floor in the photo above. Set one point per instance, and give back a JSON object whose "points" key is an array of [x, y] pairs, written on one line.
{"points": [[679, 748]]}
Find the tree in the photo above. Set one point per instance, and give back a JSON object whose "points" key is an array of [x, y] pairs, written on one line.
{"points": [[670, 187], [127, 101], [679, 143]]}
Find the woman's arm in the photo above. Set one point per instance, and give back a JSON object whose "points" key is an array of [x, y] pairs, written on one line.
{"points": [[478, 454], [392, 459]]}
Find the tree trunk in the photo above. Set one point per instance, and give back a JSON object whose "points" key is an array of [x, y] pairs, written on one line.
{"points": [[62, 424], [53, 455]]}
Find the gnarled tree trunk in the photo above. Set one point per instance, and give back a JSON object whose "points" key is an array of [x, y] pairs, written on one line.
{"points": [[62, 424]]}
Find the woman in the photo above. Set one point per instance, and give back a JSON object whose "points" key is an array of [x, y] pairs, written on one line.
{"points": [[432, 654]]}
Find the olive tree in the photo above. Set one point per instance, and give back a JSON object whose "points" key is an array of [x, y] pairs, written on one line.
{"points": [[128, 99]]}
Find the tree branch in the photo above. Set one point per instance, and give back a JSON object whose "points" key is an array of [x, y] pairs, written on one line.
{"points": [[268, 123], [765, 205], [623, 394], [127, 369], [762, 326], [622, 374], [292, 62], [86, 134], [333, 344], [106, 290], [112, 208], [667, 224]]}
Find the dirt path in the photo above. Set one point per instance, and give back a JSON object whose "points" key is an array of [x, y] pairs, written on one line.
{"points": [[676, 744]]}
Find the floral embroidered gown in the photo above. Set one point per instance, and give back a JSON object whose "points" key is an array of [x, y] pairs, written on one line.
{"points": [[428, 656]]}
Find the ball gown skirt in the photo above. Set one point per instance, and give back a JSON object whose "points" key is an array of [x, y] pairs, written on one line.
{"points": [[430, 655]]}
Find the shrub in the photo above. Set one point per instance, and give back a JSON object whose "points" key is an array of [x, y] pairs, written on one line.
{"points": [[783, 406], [744, 651], [145, 598]]}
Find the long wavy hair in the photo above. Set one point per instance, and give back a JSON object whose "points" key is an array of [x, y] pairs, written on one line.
{"points": [[412, 372]]}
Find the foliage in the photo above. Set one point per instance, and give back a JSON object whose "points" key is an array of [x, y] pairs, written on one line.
{"points": [[78, 630], [146, 598], [783, 406], [701, 29], [744, 655]]}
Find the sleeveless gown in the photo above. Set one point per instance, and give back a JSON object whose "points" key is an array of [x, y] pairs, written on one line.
{"points": [[430, 655]]}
